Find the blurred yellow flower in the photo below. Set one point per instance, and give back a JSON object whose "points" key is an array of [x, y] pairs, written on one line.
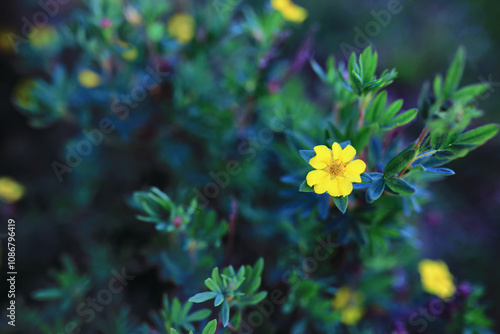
{"points": [[335, 170], [5, 42], [130, 52], [10, 190], [289, 10], [350, 305], [182, 27], [436, 278], [22, 94], [132, 15], [89, 78], [42, 37]]}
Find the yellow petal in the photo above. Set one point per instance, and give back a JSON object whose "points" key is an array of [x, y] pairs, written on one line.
{"points": [[321, 188], [355, 167], [333, 190], [317, 176], [348, 153], [337, 151], [279, 4], [322, 158], [345, 186], [352, 177]]}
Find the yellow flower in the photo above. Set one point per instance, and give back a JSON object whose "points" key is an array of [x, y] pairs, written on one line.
{"points": [[5, 40], [349, 304], [89, 79], [436, 278], [10, 190], [42, 37], [182, 27], [132, 15], [351, 315], [130, 52], [22, 94], [335, 170], [289, 10]]}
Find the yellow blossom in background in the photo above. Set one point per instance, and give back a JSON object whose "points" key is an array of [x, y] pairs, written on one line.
{"points": [[42, 37], [289, 10], [10, 190], [5, 40], [130, 52], [22, 94], [182, 27], [132, 15], [335, 170], [436, 278], [350, 305], [89, 78]]}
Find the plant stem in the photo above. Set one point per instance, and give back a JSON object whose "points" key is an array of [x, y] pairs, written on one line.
{"points": [[420, 139]]}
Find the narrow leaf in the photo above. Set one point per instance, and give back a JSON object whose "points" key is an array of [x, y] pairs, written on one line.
{"points": [[400, 186], [341, 203], [396, 164]]}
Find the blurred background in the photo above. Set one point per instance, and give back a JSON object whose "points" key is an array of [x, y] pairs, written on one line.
{"points": [[461, 224]]}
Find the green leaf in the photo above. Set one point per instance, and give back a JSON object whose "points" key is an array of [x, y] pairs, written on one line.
{"points": [[401, 119], [305, 188], [318, 70], [198, 315], [478, 136], [400, 161], [47, 294], [341, 202], [307, 154], [361, 138], [225, 313], [437, 138], [366, 178], [468, 93], [211, 285], [375, 190], [391, 111], [442, 171], [400, 186], [438, 87], [444, 154], [254, 299], [203, 297], [210, 328], [376, 108], [455, 72], [218, 299], [173, 331]]}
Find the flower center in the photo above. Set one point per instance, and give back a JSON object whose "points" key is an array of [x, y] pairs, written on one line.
{"points": [[336, 168]]}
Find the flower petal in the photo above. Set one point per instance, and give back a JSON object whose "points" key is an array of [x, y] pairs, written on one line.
{"points": [[333, 190], [316, 176], [355, 167], [348, 153], [352, 177], [322, 158], [321, 188], [337, 151], [345, 186]]}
